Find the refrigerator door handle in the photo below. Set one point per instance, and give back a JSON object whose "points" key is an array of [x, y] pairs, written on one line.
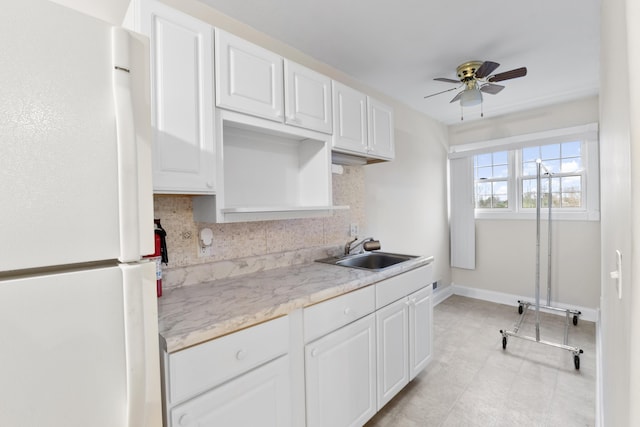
{"points": [[144, 407], [127, 149]]}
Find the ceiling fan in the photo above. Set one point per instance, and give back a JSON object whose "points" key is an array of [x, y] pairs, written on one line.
{"points": [[476, 78]]}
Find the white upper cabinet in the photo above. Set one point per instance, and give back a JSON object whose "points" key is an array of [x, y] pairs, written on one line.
{"points": [[181, 98], [380, 127], [307, 98], [350, 119], [362, 125], [249, 78]]}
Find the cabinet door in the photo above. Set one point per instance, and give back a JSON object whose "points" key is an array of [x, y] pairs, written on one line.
{"points": [[380, 122], [307, 98], [420, 330], [350, 119], [341, 376], [181, 99], [393, 350], [258, 398], [249, 79]]}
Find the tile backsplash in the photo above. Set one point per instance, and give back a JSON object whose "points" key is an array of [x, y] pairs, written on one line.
{"points": [[263, 243]]}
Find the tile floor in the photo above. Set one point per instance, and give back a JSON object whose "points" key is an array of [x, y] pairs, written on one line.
{"points": [[472, 381]]}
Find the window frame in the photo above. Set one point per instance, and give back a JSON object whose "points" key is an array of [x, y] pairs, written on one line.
{"points": [[587, 134]]}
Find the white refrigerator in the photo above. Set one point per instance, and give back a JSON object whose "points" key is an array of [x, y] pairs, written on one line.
{"points": [[78, 310]]}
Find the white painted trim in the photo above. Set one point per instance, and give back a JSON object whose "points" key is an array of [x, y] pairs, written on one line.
{"points": [[599, 364], [590, 314], [587, 131], [442, 293]]}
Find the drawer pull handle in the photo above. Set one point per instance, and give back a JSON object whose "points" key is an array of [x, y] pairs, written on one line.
{"points": [[241, 354], [184, 420], [347, 311]]}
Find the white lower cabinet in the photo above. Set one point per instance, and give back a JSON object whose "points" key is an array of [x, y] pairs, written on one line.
{"points": [[404, 345], [239, 380], [341, 376], [392, 324], [345, 358], [258, 398], [420, 330]]}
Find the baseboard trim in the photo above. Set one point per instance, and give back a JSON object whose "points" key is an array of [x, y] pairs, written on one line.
{"points": [[587, 313], [442, 293]]}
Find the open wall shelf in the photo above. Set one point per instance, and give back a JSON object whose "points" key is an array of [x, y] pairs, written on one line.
{"points": [[267, 170]]}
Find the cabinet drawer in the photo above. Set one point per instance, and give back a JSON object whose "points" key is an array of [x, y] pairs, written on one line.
{"points": [[260, 397], [330, 315], [204, 366], [400, 286]]}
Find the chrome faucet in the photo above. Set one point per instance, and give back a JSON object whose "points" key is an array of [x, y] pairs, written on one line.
{"points": [[368, 243]]}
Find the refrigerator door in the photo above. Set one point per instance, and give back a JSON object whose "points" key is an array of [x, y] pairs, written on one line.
{"points": [[73, 345], [60, 170]]}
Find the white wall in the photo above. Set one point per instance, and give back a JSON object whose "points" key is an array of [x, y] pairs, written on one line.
{"points": [[406, 200], [505, 250], [619, 152], [111, 11]]}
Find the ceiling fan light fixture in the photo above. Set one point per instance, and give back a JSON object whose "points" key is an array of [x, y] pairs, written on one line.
{"points": [[471, 97]]}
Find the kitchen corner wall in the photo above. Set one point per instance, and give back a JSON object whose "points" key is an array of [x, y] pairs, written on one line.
{"points": [[255, 239]]}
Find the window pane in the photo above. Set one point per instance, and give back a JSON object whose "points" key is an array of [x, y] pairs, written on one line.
{"points": [[500, 158], [500, 194], [571, 191], [529, 169], [571, 164], [483, 160], [501, 171], [483, 195], [528, 193], [530, 154], [551, 151], [484, 173], [571, 149], [552, 165], [571, 183], [500, 202]]}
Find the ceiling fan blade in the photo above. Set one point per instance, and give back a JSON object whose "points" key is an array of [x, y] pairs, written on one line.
{"points": [[446, 80], [490, 88], [456, 97], [486, 69], [511, 74], [438, 93]]}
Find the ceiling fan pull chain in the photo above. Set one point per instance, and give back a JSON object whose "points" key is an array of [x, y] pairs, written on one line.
{"points": [[461, 113], [482, 109]]}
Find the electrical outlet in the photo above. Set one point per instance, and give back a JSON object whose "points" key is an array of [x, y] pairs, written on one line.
{"points": [[353, 232], [204, 251]]}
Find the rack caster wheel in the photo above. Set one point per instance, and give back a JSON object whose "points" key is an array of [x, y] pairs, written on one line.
{"points": [[504, 343], [575, 319], [520, 310], [576, 361]]}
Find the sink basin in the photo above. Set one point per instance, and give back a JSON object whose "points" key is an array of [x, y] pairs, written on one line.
{"points": [[369, 260]]}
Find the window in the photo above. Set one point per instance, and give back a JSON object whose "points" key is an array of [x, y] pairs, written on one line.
{"points": [[564, 161], [491, 174], [504, 174]]}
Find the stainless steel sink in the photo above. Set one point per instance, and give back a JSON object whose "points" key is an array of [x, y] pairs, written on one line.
{"points": [[369, 260]]}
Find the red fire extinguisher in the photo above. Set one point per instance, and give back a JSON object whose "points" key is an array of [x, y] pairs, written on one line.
{"points": [[160, 254]]}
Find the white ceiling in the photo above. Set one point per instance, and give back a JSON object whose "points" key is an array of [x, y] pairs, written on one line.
{"points": [[399, 46]]}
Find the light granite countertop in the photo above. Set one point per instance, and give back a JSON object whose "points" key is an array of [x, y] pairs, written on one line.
{"points": [[193, 314]]}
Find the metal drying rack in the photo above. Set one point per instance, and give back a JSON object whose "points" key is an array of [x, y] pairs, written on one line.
{"points": [[523, 306]]}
